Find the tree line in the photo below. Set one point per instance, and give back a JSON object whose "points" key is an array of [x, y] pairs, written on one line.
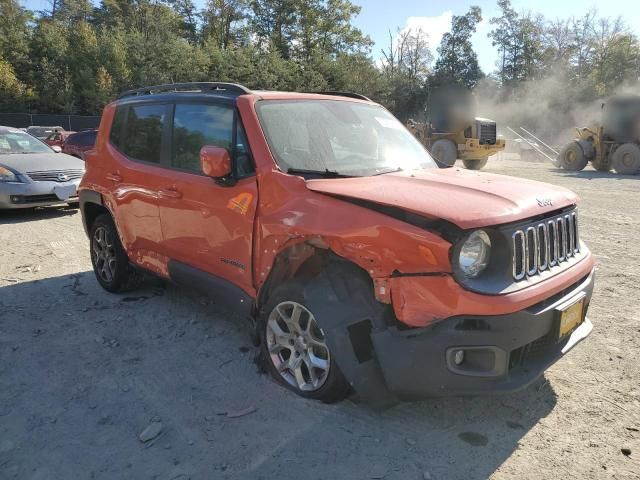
{"points": [[76, 57]]}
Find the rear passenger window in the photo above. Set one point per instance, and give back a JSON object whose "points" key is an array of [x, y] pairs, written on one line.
{"points": [[195, 126], [143, 136]]}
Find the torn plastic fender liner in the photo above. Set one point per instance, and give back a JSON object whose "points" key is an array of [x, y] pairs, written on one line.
{"points": [[341, 301]]}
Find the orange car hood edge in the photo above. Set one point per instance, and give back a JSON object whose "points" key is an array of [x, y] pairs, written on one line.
{"points": [[464, 198]]}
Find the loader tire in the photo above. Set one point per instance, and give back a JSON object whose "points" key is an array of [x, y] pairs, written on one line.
{"points": [[475, 164], [626, 159], [572, 157], [444, 152]]}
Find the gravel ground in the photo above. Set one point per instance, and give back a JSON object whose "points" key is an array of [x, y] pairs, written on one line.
{"points": [[84, 374]]}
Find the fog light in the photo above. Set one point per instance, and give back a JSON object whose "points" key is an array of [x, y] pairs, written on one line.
{"points": [[458, 357], [16, 199]]}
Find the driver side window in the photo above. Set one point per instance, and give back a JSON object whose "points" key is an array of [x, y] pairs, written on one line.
{"points": [[197, 125]]}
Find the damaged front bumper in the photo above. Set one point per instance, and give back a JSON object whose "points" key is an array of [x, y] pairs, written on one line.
{"points": [[501, 353]]}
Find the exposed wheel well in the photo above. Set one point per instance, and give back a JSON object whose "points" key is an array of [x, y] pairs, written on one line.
{"points": [[91, 211], [303, 261]]}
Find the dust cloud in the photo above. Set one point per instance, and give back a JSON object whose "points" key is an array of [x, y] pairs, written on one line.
{"points": [[549, 108]]}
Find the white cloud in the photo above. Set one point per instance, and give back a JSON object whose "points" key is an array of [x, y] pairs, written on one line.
{"points": [[434, 27], [487, 53]]}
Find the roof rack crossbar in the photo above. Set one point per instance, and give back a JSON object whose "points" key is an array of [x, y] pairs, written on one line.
{"points": [[345, 94], [221, 87]]}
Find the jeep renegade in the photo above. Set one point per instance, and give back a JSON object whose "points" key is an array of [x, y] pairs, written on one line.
{"points": [[361, 265]]}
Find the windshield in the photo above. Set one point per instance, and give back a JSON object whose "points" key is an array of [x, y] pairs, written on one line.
{"points": [[42, 132], [346, 138], [19, 142]]}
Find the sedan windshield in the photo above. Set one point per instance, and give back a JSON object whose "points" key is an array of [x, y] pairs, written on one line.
{"points": [[19, 142], [339, 138]]}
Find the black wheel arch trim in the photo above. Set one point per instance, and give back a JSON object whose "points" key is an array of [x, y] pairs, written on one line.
{"points": [[86, 197]]}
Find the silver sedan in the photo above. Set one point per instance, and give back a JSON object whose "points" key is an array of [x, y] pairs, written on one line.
{"points": [[32, 174]]}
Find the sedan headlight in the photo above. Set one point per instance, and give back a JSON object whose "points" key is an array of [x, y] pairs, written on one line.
{"points": [[474, 254], [7, 175]]}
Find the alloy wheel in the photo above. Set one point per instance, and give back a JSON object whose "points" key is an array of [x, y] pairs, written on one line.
{"points": [[297, 346], [104, 254]]}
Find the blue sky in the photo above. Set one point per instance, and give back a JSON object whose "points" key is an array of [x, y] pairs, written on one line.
{"points": [[378, 16]]}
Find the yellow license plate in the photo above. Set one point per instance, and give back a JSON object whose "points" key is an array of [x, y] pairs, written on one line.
{"points": [[571, 317]]}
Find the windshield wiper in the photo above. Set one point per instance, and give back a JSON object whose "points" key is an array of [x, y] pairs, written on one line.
{"points": [[326, 173], [388, 170]]}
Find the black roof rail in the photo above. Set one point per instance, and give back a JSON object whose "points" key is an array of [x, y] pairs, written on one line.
{"points": [[346, 94], [204, 87]]}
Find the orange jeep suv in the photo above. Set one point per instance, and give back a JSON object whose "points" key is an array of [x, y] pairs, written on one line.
{"points": [[359, 263]]}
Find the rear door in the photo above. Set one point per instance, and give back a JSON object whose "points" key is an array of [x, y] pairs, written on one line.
{"points": [[208, 225], [140, 141]]}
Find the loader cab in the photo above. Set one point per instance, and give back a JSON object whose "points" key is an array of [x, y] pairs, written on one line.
{"points": [[621, 119], [451, 109]]}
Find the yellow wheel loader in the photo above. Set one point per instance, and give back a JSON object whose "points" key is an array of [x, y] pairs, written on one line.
{"points": [[614, 144], [452, 131]]}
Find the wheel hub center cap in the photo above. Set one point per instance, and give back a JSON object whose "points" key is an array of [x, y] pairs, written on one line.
{"points": [[301, 343]]}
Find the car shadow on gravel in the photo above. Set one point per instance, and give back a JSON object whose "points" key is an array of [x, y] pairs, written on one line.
{"points": [[30, 215], [83, 373]]}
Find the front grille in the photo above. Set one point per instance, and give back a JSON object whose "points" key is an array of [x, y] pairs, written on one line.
{"points": [[55, 175], [487, 133], [545, 245], [40, 198]]}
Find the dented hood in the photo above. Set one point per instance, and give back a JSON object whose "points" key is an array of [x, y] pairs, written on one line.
{"points": [[465, 198]]}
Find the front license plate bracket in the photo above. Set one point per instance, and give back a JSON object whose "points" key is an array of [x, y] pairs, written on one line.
{"points": [[571, 315]]}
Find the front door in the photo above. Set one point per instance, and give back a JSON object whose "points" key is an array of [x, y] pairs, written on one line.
{"points": [[205, 224]]}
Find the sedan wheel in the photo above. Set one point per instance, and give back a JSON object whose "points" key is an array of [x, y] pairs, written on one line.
{"points": [[297, 347]]}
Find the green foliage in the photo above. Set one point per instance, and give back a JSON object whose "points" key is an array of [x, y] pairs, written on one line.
{"points": [[79, 56], [457, 62], [11, 89], [593, 56]]}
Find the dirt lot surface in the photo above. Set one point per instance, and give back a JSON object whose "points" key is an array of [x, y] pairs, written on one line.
{"points": [[84, 373]]}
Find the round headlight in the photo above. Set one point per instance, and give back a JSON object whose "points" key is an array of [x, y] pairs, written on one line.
{"points": [[475, 253]]}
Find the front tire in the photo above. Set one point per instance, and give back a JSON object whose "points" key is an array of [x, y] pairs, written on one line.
{"points": [[572, 157], [294, 348], [444, 152], [475, 164], [626, 159], [109, 259]]}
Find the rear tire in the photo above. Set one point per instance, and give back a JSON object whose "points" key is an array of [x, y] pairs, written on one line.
{"points": [[445, 152], [572, 157], [109, 259], [293, 347], [475, 164], [626, 159]]}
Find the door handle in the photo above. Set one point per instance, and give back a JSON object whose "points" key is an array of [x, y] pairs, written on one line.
{"points": [[169, 193], [114, 177]]}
